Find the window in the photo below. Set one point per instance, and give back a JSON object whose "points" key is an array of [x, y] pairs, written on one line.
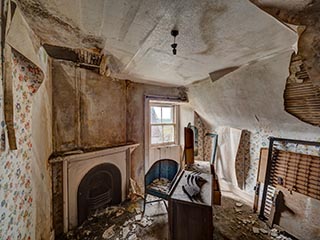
{"points": [[162, 123]]}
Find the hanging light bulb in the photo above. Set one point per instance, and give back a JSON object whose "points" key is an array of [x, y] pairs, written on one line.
{"points": [[174, 33]]}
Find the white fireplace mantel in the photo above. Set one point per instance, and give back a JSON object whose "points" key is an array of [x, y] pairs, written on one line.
{"points": [[76, 166]]}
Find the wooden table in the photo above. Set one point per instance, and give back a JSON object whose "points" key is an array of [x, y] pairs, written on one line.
{"points": [[191, 220]]}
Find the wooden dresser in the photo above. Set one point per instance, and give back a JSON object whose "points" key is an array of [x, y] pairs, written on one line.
{"points": [[191, 220]]}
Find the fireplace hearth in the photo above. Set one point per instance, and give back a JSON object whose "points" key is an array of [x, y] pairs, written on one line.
{"points": [[99, 188]]}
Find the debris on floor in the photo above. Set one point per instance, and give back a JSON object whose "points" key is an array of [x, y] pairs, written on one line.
{"points": [[235, 220], [255, 230], [126, 222], [119, 212], [135, 191], [109, 233], [146, 221], [237, 207], [273, 233], [132, 237], [161, 185], [263, 231], [138, 217], [125, 231]]}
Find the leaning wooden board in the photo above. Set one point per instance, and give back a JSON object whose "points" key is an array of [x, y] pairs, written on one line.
{"points": [[190, 220], [263, 160]]}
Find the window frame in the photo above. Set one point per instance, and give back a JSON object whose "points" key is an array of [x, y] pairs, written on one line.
{"points": [[174, 124]]}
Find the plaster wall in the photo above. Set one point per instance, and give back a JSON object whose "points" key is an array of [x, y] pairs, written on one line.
{"points": [[136, 93], [186, 117], [64, 113], [251, 98], [41, 151], [91, 111], [245, 107]]}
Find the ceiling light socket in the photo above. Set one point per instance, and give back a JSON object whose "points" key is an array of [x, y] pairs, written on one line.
{"points": [[174, 33]]}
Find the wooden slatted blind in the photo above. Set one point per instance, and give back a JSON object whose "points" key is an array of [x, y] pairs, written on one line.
{"points": [[301, 97], [293, 165], [296, 172]]}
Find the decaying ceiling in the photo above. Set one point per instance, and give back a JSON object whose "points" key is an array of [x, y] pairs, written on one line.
{"points": [[303, 13], [214, 34]]}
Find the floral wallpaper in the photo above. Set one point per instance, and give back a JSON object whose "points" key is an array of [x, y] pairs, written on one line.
{"points": [[248, 154], [207, 147], [16, 200], [243, 159], [200, 126], [204, 149], [258, 140]]}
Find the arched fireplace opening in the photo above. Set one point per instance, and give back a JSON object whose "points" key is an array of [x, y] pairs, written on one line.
{"points": [[99, 188]]}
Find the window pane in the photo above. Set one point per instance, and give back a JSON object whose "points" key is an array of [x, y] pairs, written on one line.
{"points": [[168, 133], [167, 114], [155, 113], [156, 134]]}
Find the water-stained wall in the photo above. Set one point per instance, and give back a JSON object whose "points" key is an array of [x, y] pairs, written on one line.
{"points": [[91, 111], [136, 93]]}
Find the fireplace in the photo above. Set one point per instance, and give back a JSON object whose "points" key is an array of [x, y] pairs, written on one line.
{"points": [[90, 181], [100, 187]]}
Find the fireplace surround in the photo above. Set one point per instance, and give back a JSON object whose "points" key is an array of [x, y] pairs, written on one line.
{"points": [[93, 180]]}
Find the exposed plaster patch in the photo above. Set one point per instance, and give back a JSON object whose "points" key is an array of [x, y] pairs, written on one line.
{"points": [[307, 14]]}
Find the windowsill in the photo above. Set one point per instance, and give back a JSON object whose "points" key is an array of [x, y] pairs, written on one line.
{"points": [[165, 146]]}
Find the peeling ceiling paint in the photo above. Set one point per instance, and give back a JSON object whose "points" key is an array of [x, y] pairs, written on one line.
{"points": [[214, 34], [252, 97], [303, 13]]}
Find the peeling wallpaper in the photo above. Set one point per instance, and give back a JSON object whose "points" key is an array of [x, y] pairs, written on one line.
{"points": [[248, 154], [251, 99], [248, 157], [204, 142], [16, 200], [199, 150]]}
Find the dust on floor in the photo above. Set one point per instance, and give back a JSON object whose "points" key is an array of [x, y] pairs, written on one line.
{"points": [[232, 220]]}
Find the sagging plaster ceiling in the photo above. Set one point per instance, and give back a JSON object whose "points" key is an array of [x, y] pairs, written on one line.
{"points": [[214, 34], [302, 13], [252, 98]]}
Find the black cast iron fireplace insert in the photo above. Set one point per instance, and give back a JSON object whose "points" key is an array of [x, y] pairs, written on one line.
{"points": [[99, 188]]}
